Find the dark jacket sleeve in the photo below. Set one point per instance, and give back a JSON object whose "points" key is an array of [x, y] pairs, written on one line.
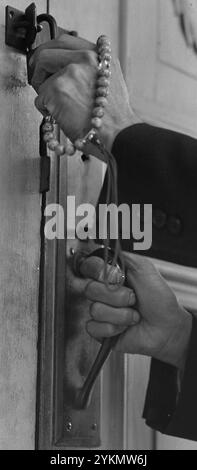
{"points": [[159, 167], [167, 410]]}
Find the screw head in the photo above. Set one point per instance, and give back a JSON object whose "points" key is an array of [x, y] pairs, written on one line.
{"points": [[68, 426]]}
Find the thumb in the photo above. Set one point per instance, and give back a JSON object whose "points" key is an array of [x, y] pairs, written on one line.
{"points": [[138, 270]]}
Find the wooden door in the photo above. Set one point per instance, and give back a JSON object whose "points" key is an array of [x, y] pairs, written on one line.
{"points": [[20, 236], [20, 213]]}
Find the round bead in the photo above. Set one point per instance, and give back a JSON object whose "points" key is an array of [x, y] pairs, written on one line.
{"points": [[104, 73], [96, 122], [53, 144], [107, 57], [103, 40], [48, 118], [104, 49], [103, 65], [101, 101], [102, 91], [106, 64], [60, 150], [79, 144], [102, 81], [48, 136], [47, 127], [91, 134], [69, 148], [98, 112]]}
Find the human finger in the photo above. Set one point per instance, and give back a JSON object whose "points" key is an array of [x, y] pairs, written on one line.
{"points": [[103, 330], [116, 316], [99, 292], [94, 267], [65, 41], [51, 61]]}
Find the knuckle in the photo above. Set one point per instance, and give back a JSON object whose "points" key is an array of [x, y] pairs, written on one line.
{"points": [[58, 86], [124, 296], [72, 70], [128, 316]]}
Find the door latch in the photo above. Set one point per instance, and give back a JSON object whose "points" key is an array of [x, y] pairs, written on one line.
{"points": [[22, 33]]}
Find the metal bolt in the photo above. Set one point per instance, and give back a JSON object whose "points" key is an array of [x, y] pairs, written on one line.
{"points": [[68, 426], [39, 28]]}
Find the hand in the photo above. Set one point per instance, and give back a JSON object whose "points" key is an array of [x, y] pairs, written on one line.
{"points": [[164, 328], [187, 11], [64, 76], [80, 273]]}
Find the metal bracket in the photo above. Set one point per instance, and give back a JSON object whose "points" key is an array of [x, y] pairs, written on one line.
{"points": [[21, 27]]}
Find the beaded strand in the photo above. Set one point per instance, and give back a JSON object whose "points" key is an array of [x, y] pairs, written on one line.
{"points": [[101, 101]]}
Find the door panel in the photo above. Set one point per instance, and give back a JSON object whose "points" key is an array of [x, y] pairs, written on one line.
{"points": [[19, 245]]}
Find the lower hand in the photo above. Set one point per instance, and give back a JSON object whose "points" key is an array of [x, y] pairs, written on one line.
{"points": [[153, 325]]}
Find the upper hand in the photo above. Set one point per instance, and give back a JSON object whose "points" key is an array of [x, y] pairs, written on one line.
{"points": [[64, 77]]}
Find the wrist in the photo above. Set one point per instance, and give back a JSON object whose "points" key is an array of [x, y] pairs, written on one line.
{"points": [[110, 132], [179, 342]]}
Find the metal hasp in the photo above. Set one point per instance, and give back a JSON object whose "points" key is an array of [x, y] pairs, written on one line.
{"points": [[21, 27]]}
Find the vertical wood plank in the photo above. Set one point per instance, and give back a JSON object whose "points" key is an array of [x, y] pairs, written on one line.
{"points": [[19, 246]]}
